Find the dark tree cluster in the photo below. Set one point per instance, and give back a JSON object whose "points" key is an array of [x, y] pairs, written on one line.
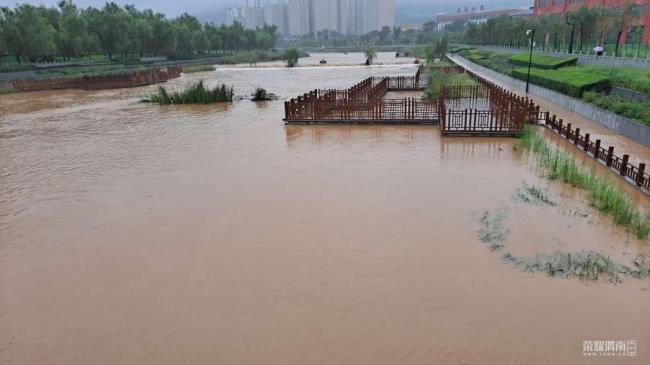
{"points": [[37, 33], [579, 30]]}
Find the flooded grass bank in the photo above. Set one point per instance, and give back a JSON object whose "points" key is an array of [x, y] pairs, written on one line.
{"points": [[601, 192]]}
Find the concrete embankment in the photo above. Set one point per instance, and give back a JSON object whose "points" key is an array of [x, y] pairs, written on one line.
{"points": [[132, 79]]}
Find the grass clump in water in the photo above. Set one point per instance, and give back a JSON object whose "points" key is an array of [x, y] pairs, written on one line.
{"points": [[492, 232], [196, 93], [198, 68], [602, 193], [587, 265], [261, 94], [532, 194]]}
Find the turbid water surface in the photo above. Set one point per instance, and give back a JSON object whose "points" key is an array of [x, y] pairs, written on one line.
{"points": [[139, 234]]}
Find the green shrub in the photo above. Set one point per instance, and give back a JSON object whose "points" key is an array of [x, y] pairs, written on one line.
{"points": [[630, 108], [572, 81], [196, 93], [197, 68], [542, 61], [261, 94]]}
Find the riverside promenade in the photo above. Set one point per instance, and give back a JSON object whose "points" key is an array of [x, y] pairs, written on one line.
{"points": [[638, 152]]}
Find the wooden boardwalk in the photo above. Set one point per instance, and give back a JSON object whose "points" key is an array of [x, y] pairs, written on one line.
{"points": [[460, 110]]}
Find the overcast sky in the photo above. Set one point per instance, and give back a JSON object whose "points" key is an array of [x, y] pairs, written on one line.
{"points": [[407, 10]]}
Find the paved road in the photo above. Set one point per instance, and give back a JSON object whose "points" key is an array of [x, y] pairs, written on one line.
{"points": [[638, 152]]}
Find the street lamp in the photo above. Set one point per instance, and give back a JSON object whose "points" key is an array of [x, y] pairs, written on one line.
{"points": [[531, 33]]}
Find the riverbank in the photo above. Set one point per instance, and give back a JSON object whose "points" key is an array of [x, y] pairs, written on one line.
{"points": [[624, 145]]}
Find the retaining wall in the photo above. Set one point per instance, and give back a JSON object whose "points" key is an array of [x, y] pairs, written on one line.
{"points": [[136, 78]]}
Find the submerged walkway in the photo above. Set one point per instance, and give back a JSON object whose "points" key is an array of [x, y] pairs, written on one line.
{"points": [[638, 152]]}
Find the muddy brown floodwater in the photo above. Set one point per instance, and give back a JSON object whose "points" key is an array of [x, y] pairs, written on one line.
{"points": [[139, 234]]}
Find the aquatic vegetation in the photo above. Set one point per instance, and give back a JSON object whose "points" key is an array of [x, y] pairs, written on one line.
{"points": [[532, 194], [198, 68], [587, 265], [261, 94], [196, 93], [492, 231], [437, 79], [601, 193]]}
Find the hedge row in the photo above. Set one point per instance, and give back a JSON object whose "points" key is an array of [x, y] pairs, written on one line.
{"points": [[570, 80], [543, 62]]}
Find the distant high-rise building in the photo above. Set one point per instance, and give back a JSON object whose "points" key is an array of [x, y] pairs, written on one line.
{"points": [[367, 15], [276, 14], [298, 17], [328, 15], [234, 15]]}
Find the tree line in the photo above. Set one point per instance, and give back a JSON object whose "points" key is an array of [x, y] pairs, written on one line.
{"points": [[37, 33], [578, 30]]}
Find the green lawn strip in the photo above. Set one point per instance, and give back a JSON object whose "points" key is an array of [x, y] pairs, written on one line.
{"points": [[572, 81], [542, 61], [198, 68]]}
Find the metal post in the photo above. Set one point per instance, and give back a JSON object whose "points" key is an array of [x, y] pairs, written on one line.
{"points": [[640, 178], [530, 58]]}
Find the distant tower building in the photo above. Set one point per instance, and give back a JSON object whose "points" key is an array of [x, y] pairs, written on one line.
{"points": [[259, 13], [298, 17], [325, 15], [234, 15], [368, 15], [277, 14]]}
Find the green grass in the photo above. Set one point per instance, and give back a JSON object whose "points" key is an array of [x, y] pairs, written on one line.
{"points": [[542, 61], [629, 108], [15, 67], [499, 62], [196, 93], [90, 71], [601, 193], [198, 68], [438, 79], [572, 81], [624, 76]]}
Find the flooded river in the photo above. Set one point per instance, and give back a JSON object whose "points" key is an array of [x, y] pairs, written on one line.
{"points": [[139, 234]]}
